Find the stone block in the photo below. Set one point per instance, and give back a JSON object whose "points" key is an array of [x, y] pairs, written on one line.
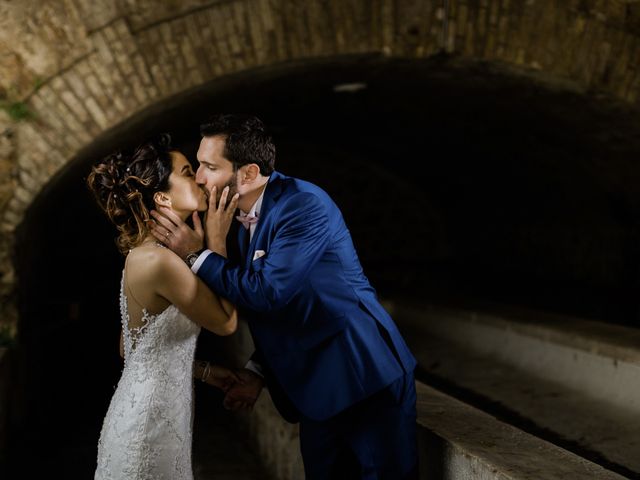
{"points": [[23, 194], [30, 183], [39, 39], [149, 47], [235, 22], [15, 209], [109, 84], [67, 122], [169, 54], [96, 112], [220, 38], [86, 77]]}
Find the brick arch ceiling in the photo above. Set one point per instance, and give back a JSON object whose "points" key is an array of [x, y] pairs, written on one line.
{"points": [[149, 52], [85, 66]]}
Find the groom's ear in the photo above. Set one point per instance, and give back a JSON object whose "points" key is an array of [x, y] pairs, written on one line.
{"points": [[162, 199], [251, 172]]}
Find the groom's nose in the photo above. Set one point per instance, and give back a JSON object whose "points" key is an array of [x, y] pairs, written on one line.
{"points": [[200, 180]]}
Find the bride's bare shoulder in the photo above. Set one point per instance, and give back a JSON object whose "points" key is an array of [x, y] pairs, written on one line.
{"points": [[153, 259]]}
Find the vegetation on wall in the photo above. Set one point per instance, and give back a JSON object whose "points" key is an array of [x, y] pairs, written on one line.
{"points": [[18, 110]]}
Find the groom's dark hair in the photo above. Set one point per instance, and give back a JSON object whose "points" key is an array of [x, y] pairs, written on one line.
{"points": [[246, 140]]}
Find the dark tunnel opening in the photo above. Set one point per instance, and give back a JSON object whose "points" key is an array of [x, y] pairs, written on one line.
{"points": [[459, 183]]}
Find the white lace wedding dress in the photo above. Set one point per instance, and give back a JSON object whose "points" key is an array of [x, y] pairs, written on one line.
{"points": [[147, 430]]}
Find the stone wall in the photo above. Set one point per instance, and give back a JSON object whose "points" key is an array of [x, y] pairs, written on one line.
{"points": [[5, 389], [274, 440], [8, 177], [78, 68]]}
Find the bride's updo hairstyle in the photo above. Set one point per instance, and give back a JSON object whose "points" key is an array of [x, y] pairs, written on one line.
{"points": [[124, 186]]}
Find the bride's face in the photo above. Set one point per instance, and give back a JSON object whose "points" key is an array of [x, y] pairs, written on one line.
{"points": [[184, 193]]}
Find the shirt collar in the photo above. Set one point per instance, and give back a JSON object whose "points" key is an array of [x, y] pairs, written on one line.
{"points": [[255, 209]]}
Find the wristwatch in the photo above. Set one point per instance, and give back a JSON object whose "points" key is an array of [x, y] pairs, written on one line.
{"points": [[192, 257]]}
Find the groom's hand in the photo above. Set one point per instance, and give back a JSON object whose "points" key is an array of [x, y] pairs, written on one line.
{"points": [[170, 230], [244, 396], [218, 220]]}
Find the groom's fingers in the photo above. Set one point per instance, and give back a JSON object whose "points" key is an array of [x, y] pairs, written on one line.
{"points": [[171, 216], [223, 199], [156, 233], [161, 233], [197, 224], [161, 219], [212, 198]]}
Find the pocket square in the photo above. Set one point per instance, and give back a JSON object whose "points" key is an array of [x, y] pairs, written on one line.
{"points": [[258, 253]]}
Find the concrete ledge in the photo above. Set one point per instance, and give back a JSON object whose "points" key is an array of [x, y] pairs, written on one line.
{"points": [[456, 441], [537, 374], [459, 442], [598, 360]]}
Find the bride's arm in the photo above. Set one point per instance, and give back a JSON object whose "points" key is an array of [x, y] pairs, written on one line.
{"points": [[228, 307], [175, 282]]}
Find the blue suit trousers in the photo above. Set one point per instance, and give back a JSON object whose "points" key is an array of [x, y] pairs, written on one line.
{"points": [[372, 439]]}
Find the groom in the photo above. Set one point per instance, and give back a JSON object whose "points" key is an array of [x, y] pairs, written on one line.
{"points": [[329, 353]]}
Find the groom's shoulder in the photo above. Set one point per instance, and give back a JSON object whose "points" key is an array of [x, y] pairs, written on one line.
{"points": [[292, 186]]}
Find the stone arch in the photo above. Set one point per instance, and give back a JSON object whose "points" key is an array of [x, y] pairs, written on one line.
{"points": [[82, 67]]}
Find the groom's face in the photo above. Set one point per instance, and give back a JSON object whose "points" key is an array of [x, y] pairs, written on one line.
{"points": [[214, 168]]}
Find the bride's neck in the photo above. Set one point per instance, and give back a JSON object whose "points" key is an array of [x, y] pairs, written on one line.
{"points": [[148, 240]]}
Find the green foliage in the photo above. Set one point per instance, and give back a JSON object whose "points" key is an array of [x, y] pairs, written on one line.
{"points": [[18, 111]]}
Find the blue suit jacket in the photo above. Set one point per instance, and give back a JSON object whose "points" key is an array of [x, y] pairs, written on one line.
{"points": [[324, 338]]}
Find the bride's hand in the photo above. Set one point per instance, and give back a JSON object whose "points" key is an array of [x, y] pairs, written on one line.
{"points": [[217, 376], [223, 378], [218, 220]]}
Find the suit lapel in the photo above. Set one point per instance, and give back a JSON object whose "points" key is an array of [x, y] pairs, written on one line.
{"points": [[243, 242], [271, 194]]}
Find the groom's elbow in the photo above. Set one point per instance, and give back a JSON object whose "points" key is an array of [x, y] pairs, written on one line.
{"points": [[272, 300]]}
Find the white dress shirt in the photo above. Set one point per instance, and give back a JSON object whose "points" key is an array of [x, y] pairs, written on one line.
{"points": [[255, 211]]}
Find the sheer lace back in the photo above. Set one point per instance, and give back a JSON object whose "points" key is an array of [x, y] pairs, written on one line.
{"points": [[134, 328]]}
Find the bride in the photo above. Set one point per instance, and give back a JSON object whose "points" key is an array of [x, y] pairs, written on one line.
{"points": [[147, 430]]}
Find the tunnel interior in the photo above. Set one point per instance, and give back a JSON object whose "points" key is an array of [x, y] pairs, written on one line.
{"points": [[460, 183]]}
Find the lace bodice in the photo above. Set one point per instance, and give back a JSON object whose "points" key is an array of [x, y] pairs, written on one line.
{"points": [[147, 430]]}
